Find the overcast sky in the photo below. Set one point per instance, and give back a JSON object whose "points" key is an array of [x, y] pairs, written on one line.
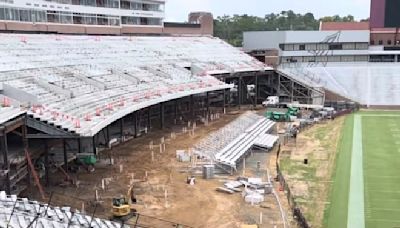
{"points": [[177, 10]]}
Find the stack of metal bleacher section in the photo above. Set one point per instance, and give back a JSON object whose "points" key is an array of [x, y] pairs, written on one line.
{"points": [[235, 150], [230, 143], [21, 213]]}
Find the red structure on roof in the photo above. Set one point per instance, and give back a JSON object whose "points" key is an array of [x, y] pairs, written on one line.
{"points": [[334, 26]]}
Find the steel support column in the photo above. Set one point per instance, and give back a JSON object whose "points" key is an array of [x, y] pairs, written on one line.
{"points": [[240, 92], [162, 116], [65, 155], [135, 119], [107, 136], [256, 92], [80, 146], [26, 146], [191, 107], [94, 144], [122, 123], [176, 112], [4, 148], [149, 118], [46, 162], [292, 91], [208, 104], [223, 101]]}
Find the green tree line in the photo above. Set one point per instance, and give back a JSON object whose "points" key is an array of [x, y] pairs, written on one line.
{"points": [[231, 28]]}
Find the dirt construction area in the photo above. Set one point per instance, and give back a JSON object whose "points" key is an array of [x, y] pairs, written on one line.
{"points": [[308, 163], [160, 186]]}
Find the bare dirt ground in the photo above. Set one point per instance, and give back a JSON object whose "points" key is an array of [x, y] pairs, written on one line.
{"points": [[310, 183], [163, 193]]}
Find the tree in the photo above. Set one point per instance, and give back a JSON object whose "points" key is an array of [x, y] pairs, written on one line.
{"points": [[231, 28]]}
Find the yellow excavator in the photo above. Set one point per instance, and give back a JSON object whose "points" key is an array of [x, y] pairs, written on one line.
{"points": [[122, 206]]}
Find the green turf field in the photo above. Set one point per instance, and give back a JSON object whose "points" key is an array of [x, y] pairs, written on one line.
{"points": [[367, 167]]}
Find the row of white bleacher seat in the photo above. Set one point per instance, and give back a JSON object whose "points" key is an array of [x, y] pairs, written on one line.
{"points": [[67, 73], [217, 140], [75, 50], [22, 213]]}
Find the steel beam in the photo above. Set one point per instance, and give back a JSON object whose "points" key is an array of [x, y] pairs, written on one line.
{"points": [[46, 128], [45, 136]]}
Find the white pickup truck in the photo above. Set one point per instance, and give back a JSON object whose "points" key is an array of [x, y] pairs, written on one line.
{"points": [[271, 101]]}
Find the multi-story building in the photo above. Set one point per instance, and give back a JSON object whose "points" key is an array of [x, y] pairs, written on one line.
{"points": [[77, 16], [277, 47]]}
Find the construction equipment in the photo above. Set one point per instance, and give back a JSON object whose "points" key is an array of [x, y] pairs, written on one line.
{"points": [[122, 206], [278, 116]]}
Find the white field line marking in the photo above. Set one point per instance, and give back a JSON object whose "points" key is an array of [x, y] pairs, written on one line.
{"points": [[380, 115], [385, 220], [355, 216]]}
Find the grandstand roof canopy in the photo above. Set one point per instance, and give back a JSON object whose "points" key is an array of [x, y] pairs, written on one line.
{"points": [[84, 83], [373, 84]]}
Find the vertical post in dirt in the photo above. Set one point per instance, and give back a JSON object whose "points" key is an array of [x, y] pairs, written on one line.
{"points": [[244, 166]]}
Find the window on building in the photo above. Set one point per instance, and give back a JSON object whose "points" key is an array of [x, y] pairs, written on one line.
{"points": [[289, 47], [53, 16], [126, 5], [362, 46], [349, 46], [372, 42], [130, 20], [282, 47], [335, 47], [322, 47], [78, 19], [2, 14], [380, 42], [24, 15], [302, 47], [90, 19], [389, 42], [66, 18], [311, 47]]}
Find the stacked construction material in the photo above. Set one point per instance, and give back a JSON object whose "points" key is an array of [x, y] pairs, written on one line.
{"points": [[217, 140], [238, 148], [231, 143], [22, 213]]}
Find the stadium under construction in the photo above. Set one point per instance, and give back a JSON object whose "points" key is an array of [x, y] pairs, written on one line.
{"points": [[79, 84]]}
